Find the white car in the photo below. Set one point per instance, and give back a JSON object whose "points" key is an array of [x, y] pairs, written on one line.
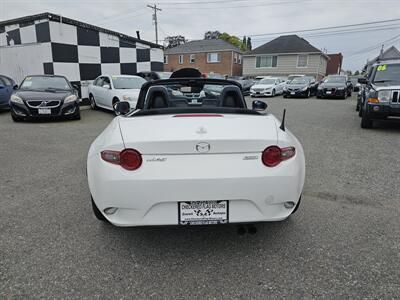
{"points": [[269, 86], [189, 155], [106, 90]]}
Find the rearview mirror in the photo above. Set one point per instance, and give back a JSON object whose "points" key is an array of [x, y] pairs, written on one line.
{"points": [[107, 86], [258, 105], [363, 80], [122, 108]]}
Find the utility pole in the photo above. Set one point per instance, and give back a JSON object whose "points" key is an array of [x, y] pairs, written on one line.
{"points": [[155, 9]]}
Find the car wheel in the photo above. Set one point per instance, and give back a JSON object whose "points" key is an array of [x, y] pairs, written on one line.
{"points": [[115, 100], [273, 93], [92, 102], [98, 213], [297, 206], [308, 93], [366, 122], [77, 115], [285, 96]]}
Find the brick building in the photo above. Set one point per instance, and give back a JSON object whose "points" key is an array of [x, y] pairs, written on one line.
{"points": [[207, 56], [334, 64]]}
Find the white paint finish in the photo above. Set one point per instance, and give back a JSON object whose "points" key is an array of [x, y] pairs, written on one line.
{"points": [[172, 164], [143, 66], [29, 58], [12, 27], [41, 21], [113, 69], [107, 40], [63, 33], [89, 54], [127, 55], [156, 55], [69, 70], [28, 34]]}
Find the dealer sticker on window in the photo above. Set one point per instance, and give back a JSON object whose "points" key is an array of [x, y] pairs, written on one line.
{"points": [[203, 212]]}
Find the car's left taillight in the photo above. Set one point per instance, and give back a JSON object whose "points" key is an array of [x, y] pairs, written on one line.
{"points": [[129, 159], [274, 155]]}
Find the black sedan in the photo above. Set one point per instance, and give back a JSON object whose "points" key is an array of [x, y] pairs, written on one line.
{"points": [[335, 86], [304, 86], [44, 96]]}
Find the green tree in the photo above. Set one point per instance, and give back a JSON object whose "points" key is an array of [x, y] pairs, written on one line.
{"points": [[248, 44]]}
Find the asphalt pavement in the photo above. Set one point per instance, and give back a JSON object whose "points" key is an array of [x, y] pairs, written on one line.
{"points": [[344, 241]]}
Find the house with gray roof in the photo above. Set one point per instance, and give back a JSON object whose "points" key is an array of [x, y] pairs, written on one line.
{"points": [[285, 55], [391, 53], [208, 56]]}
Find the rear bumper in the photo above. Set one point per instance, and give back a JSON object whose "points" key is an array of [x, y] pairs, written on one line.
{"points": [[64, 110], [150, 195]]}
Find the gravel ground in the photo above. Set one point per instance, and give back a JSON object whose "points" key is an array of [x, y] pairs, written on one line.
{"points": [[344, 242]]}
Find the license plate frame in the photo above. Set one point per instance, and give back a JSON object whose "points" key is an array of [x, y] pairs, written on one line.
{"points": [[292, 93], [328, 92], [44, 111], [195, 212]]}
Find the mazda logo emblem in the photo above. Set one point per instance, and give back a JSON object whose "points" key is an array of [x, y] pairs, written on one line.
{"points": [[203, 147]]}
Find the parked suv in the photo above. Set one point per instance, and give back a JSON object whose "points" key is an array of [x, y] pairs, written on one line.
{"points": [[381, 96]]}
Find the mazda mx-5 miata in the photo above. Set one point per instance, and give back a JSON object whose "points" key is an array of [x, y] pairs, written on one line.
{"points": [[192, 153]]}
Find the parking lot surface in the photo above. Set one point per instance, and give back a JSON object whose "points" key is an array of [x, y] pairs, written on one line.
{"points": [[344, 242]]}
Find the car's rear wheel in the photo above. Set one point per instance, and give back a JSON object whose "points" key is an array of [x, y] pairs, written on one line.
{"points": [[273, 93], [98, 213], [93, 104]]}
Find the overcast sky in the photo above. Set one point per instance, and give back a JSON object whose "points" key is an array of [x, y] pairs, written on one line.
{"points": [[238, 17]]}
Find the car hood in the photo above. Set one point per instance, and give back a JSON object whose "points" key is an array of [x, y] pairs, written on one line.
{"points": [[229, 133], [263, 86], [37, 95], [385, 87], [296, 86], [332, 85]]}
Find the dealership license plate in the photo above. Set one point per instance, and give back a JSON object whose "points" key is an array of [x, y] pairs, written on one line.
{"points": [[292, 93], [44, 111], [203, 212], [328, 92]]}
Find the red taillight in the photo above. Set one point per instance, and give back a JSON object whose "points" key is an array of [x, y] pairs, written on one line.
{"points": [[129, 159], [273, 155]]}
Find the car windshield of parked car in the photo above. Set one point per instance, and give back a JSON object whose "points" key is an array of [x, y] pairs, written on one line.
{"points": [[300, 80], [164, 75], [267, 81], [41, 83], [335, 79], [122, 83], [387, 74]]}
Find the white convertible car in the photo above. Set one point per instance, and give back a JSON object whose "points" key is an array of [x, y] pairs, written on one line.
{"points": [[192, 153], [107, 90]]}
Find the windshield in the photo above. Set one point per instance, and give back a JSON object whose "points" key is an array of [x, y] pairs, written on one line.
{"points": [[300, 80], [267, 81], [164, 75], [335, 79], [121, 83], [387, 74], [41, 83]]}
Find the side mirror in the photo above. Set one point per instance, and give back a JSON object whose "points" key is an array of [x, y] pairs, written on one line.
{"points": [[258, 105], [15, 87], [107, 86], [122, 108], [363, 80]]}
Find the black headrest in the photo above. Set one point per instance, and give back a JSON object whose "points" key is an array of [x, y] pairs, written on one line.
{"points": [[157, 97], [231, 96]]}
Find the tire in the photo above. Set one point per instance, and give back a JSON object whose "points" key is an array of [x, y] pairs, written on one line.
{"points": [[16, 118], [77, 115], [297, 206], [285, 96], [319, 97], [366, 122], [115, 100], [308, 93], [273, 93], [344, 96], [93, 104], [98, 214]]}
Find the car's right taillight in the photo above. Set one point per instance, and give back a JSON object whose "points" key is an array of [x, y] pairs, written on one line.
{"points": [[274, 155], [129, 159]]}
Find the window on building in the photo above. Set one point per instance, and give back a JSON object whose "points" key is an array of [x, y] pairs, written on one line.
{"points": [[192, 58], [165, 59], [181, 59], [213, 57], [235, 58], [240, 59], [266, 61], [302, 61]]}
